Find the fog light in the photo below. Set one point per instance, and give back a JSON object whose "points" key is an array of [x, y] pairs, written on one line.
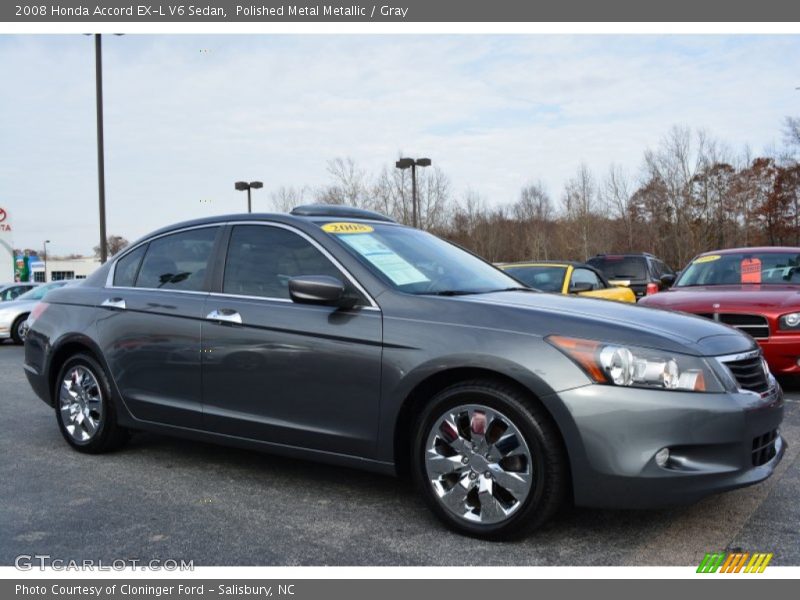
{"points": [[662, 456]]}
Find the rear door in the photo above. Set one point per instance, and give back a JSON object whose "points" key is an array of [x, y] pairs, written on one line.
{"points": [[294, 374], [151, 326]]}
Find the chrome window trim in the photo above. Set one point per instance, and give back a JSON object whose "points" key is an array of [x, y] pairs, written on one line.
{"points": [[116, 259], [112, 270]]}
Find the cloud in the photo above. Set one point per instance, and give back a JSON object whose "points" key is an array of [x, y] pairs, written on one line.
{"points": [[186, 116]]}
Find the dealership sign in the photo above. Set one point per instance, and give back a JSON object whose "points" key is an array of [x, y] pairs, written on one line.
{"points": [[4, 224]]}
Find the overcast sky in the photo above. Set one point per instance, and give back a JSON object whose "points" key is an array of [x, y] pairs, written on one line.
{"points": [[187, 115]]}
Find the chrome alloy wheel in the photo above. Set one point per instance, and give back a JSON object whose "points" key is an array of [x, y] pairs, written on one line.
{"points": [[479, 464], [81, 404], [22, 329]]}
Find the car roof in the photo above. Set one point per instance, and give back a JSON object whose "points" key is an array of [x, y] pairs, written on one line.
{"points": [[759, 249], [547, 263], [315, 214]]}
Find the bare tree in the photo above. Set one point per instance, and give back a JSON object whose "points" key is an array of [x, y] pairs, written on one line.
{"points": [[284, 199], [534, 213], [580, 198], [114, 243], [616, 193]]}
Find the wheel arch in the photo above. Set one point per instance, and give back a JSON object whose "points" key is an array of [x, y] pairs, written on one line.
{"points": [[423, 391], [66, 348]]}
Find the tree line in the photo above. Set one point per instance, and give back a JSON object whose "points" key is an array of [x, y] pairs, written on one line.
{"points": [[690, 194]]}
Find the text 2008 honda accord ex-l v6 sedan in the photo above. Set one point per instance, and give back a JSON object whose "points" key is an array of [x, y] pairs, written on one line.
{"points": [[338, 335]]}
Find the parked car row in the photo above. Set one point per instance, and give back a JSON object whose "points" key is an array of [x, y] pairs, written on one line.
{"points": [[338, 335], [14, 312]]}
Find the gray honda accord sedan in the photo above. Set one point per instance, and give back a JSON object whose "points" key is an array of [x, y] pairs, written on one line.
{"points": [[338, 335]]}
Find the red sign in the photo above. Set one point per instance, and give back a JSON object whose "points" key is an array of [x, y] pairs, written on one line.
{"points": [[751, 270], [3, 215]]}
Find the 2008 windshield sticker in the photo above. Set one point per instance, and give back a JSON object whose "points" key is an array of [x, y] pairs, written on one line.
{"points": [[347, 228], [709, 258]]}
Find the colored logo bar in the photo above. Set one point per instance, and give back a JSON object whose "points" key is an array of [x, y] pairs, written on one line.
{"points": [[734, 562]]}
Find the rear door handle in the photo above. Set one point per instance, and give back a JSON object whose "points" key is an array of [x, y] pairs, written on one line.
{"points": [[225, 315], [118, 303]]}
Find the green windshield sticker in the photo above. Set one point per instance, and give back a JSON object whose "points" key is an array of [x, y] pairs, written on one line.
{"points": [[388, 262]]}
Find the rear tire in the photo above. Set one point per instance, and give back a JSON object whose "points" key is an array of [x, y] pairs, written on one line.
{"points": [[495, 485], [16, 330], [85, 410]]}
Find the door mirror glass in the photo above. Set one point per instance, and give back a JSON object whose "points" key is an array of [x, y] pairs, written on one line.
{"points": [[317, 289]]}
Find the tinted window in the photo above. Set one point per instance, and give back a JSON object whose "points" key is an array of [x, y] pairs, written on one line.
{"points": [[178, 261], [128, 266], [587, 276], [262, 259], [620, 267], [546, 279]]}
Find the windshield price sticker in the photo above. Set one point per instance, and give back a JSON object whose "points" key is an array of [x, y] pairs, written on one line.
{"points": [[394, 266], [751, 270], [340, 228]]}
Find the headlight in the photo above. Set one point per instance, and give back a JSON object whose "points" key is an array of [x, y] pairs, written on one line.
{"points": [[790, 321], [631, 366]]}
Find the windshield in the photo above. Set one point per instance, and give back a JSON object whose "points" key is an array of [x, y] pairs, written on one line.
{"points": [[770, 268], [39, 292], [416, 262], [543, 277], [620, 267]]}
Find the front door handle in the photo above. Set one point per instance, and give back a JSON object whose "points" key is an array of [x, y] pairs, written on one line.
{"points": [[118, 303], [225, 315]]}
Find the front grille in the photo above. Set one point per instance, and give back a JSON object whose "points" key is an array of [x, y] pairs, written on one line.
{"points": [[764, 448], [754, 325], [750, 374]]}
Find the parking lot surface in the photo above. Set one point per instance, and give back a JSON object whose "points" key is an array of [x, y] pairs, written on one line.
{"points": [[165, 498]]}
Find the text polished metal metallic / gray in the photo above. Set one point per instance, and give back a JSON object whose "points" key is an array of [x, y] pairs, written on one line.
{"points": [[403, 353]]}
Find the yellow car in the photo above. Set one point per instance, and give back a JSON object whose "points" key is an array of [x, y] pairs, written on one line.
{"points": [[567, 278]]}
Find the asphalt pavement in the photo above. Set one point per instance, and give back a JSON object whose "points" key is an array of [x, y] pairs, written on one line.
{"points": [[165, 498]]}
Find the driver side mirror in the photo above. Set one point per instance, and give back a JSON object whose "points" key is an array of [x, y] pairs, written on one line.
{"points": [[668, 279], [317, 289], [580, 287]]}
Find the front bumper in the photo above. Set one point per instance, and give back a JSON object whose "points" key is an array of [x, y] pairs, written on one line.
{"points": [[711, 437], [782, 353]]}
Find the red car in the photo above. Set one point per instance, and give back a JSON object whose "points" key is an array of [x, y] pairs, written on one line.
{"points": [[756, 290]]}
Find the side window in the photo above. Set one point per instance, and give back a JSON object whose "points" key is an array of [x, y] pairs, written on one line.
{"points": [[178, 261], [586, 276], [127, 267], [262, 259]]}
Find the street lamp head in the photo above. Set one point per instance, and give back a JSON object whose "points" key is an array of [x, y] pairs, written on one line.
{"points": [[423, 162], [242, 185], [404, 163], [256, 185]]}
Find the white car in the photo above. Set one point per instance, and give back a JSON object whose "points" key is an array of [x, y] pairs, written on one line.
{"points": [[14, 313], [10, 291]]}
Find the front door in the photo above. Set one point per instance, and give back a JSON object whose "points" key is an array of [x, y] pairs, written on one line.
{"points": [[294, 374]]}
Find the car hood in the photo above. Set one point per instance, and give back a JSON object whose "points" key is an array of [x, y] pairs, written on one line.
{"points": [[765, 298], [603, 320]]}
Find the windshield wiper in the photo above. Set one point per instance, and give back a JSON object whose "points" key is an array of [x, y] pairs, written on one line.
{"points": [[449, 293], [514, 289]]}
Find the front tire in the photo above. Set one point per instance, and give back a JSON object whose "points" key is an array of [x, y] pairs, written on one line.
{"points": [[17, 333], [84, 408], [489, 461]]}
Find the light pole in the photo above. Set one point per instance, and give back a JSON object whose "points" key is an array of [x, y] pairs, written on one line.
{"points": [[45, 259], [405, 163], [101, 168], [243, 185]]}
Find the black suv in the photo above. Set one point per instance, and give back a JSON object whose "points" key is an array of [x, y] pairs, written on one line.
{"points": [[644, 273]]}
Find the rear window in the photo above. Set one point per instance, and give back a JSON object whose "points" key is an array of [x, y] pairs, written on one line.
{"points": [[620, 267]]}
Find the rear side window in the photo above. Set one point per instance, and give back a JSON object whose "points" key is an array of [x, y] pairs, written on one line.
{"points": [[262, 259], [620, 267], [128, 266], [178, 261]]}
